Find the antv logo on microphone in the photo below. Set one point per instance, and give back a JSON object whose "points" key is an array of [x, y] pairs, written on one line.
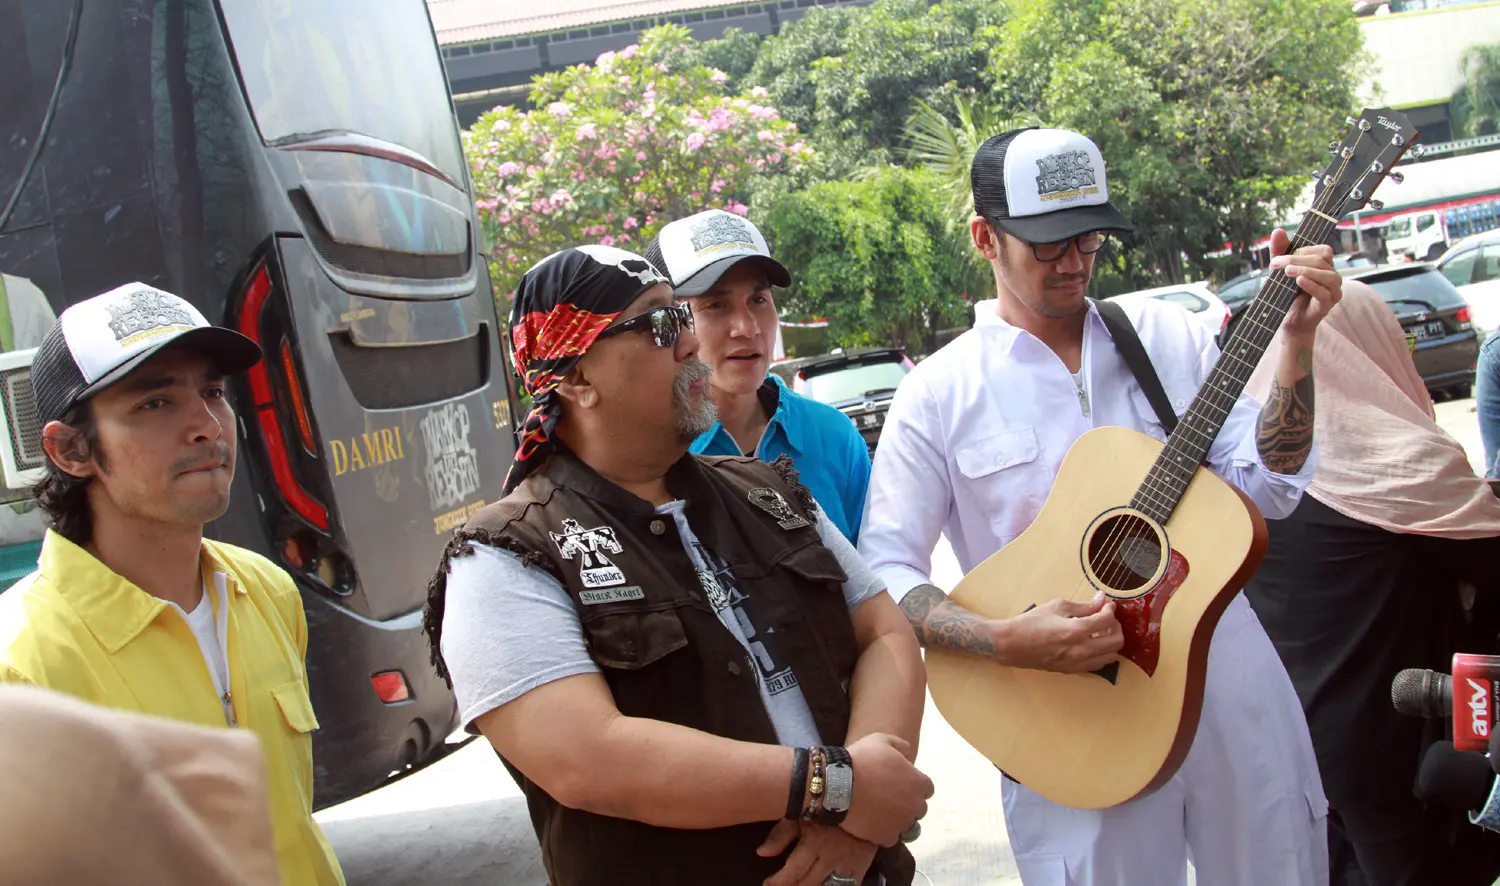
{"points": [[1475, 681]]}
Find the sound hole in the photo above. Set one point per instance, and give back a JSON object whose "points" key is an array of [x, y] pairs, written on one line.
{"points": [[1124, 553]]}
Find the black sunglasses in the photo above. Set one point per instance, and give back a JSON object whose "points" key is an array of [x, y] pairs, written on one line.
{"points": [[665, 323], [1088, 244]]}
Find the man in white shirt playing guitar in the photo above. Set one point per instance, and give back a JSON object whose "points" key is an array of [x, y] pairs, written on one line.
{"points": [[972, 445]]}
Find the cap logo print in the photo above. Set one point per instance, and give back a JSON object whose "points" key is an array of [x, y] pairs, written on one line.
{"points": [[717, 232], [144, 314], [627, 262], [1065, 175]]}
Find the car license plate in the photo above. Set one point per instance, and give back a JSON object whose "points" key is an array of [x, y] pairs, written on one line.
{"points": [[870, 420], [1429, 330]]}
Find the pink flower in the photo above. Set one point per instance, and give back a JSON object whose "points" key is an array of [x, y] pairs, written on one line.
{"points": [[508, 169], [719, 77], [765, 135], [630, 51], [587, 130], [630, 223], [605, 60], [717, 185], [737, 207], [640, 156], [606, 240], [559, 110], [759, 92], [696, 140]]}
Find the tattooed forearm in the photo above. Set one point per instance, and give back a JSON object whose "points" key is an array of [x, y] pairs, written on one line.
{"points": [[1286, 421], [941, 623]]}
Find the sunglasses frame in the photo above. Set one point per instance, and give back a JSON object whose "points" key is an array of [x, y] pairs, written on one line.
{"points": [[648, 322], [1067, 244]]}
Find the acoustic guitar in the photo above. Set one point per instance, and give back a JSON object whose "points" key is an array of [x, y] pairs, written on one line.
{"points": [[1167, 539]]}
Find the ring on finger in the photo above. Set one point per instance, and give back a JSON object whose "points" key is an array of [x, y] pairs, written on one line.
{"points": [[840, 880]]}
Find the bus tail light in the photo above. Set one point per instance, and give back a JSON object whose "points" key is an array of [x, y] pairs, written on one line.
{"points": [[265, 407], [390, 687], [299, 405]]}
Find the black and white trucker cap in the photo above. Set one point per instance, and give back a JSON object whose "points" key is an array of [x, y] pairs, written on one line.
{"points": [[98, 342], [1043, 185], [696, 251]]}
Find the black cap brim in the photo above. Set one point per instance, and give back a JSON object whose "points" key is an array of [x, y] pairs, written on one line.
{"points": [[1064, 224], [231, 352], [709, 274]]}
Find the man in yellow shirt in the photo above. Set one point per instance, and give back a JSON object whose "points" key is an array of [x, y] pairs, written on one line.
{"points": [[131, 607]]}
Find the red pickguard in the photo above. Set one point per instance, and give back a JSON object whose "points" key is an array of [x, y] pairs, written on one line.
{"points": [[1141, 618]]}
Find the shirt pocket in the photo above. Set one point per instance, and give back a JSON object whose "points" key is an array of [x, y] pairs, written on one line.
{"points": [[296, 706], [997, 472], [631, 639]]}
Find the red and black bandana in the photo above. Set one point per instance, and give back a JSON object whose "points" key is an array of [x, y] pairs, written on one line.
{"points": [[562, 304]]}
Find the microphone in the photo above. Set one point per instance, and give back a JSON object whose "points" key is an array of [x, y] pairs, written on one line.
{"points": [[1476, 680], [1461, 780]]}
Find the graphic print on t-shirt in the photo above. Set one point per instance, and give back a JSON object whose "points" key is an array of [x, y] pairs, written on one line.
{"points": [[725, 596]]}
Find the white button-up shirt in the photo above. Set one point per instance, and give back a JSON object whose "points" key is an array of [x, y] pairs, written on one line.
{"points": [[977, 431]]}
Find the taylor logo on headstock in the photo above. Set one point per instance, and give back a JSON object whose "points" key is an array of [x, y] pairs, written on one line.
{"points": [[770, 501], [590, 546]]}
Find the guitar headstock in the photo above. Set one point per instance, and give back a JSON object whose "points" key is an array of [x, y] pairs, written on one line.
{"points": [[1376, 140]]}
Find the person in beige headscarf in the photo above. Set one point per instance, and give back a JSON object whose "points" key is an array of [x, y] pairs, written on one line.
{"points": [[1363, 580], [93, 796]]}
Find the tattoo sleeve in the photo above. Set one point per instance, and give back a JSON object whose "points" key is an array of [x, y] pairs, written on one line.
{"points": [[941, 623], [1286, 421]]}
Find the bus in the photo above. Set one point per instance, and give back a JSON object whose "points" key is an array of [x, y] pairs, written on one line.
{"points": [[294, 169]]}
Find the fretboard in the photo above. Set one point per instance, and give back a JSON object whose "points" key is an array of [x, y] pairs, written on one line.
{"points": [[1188, 446]]}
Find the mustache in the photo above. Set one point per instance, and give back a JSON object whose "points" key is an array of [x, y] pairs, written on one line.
{"points": [[212, 455], [1061, 279], [692, 371]]}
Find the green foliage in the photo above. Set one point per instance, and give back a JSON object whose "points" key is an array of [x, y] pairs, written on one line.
{"points": [[1211, 114], [613, 151], [734, 54], [851, 77], [872, 256], [1476, 104]]}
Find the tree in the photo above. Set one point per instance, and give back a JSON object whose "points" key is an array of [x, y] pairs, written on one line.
{"points": [[734, 54], [613, 151], [1211, 114], [850, 77], [1476, 104], [872, 256]]}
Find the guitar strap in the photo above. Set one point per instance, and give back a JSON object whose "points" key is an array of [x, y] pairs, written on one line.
{"points": [[1128, 341]]}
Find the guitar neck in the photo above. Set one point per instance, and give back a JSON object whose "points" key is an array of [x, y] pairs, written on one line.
{"points": [[1188, 446]]}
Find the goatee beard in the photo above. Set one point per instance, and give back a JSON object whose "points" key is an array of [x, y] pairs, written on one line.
{"points": [[693, 419]]}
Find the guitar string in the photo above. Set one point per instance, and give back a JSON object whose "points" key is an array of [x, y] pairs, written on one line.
{"points": [[1259, 335]]}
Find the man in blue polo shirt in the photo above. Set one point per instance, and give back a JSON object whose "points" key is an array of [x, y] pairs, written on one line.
{"points": [[719, 264]]}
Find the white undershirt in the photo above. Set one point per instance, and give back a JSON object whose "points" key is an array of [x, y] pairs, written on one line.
{"points": [[210, 633]]}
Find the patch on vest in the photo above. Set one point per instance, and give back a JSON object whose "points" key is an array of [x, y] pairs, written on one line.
{"points": [[611, 595], [590, 546], [770, 501]]}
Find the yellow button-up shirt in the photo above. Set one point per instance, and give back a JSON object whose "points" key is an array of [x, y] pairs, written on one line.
{"points": [[76, 627]]}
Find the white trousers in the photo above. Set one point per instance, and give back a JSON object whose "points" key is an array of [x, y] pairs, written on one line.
{"points": [[1247, 805]]}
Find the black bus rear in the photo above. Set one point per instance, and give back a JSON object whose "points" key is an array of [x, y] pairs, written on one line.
{"points": [[294, 169]]}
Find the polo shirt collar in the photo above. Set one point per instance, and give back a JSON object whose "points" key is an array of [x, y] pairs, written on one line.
{"points": [[784, 419], [114, 610], [1002, 336]]}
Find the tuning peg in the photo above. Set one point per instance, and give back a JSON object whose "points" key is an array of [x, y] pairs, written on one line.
{"points": [[1318, 176], [1348, 121], [1333, 147], [1397, 140], [1397, 177], [1377, 167], [1356, 194], [1419, 151], [1377, 205]]}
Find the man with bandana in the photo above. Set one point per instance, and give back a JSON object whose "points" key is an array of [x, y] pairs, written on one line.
{"points": [[682, 662]]}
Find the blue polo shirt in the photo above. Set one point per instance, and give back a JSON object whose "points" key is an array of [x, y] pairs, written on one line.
{"points": [[831, 457]]}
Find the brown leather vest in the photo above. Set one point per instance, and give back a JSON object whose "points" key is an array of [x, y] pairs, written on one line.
{"points": [[663, 650]]}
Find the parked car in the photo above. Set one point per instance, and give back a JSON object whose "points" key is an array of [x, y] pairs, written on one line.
{"points": [[1473, 265], [1196, 298], [1436, 318], [1236, 294], [859, 383]]}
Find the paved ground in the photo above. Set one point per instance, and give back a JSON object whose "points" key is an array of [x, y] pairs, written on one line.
{"points": [[462, 822]]}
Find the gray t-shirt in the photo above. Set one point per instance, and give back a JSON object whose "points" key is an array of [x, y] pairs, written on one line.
{"points": [[508, 629]]}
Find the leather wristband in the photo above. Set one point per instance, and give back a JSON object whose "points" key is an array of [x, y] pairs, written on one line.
{"points": [[838, 786], [799, 785]]}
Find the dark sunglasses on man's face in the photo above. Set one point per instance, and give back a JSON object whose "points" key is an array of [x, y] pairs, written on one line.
{"points": [[665, 323], [1088, 244]]}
